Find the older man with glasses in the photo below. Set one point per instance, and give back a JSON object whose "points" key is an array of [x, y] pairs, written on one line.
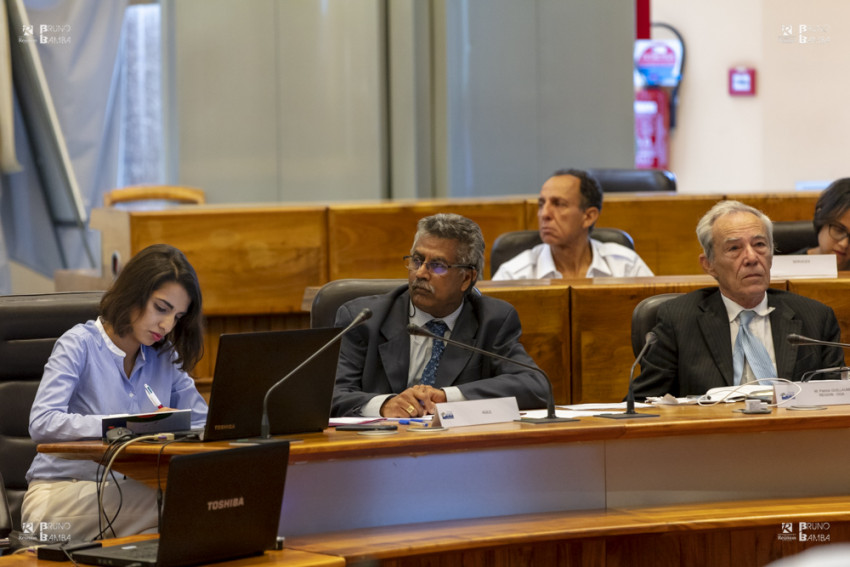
{"points": [[383, 371]]}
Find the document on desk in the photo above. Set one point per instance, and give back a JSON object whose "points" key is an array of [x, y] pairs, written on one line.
{"points": [[155, 422], [581, 410], [731, 394], [353, 420]]}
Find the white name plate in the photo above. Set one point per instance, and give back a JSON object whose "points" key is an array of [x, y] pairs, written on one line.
{"points": [[804, 266], [476, 412], [814, 393]]}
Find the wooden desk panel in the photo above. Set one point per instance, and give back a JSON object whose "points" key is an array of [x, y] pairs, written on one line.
{"points": [[369, 241], [600, 330], [703, 534], [515, 468], [835, 293], [249, 260], [783, 206], [271, 558], [544, 311]]}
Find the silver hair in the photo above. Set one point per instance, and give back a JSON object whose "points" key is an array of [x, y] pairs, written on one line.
{"points": [[723, 208], [466, 232]]}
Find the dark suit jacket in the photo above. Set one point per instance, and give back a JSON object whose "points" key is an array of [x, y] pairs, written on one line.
{"points": [[694, 349], [374, 358]]}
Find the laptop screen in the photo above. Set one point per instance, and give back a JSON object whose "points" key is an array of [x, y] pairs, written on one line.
{"points": [[248, 364]]}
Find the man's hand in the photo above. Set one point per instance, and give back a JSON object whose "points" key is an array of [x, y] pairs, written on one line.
{"points": [[413, 402]]}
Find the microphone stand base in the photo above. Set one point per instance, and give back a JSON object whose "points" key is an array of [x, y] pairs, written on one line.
{"points": [[626, 415], [543, 420]]}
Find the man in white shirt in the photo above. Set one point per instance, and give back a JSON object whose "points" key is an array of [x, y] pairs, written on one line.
{"points": [[568, 208]]}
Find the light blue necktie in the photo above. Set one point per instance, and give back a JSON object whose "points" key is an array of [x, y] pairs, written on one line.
{"points": [[749, 349], [439, 328]]}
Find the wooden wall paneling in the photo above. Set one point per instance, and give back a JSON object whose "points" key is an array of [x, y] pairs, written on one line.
{"points": [[544, 311], [369, 241]]}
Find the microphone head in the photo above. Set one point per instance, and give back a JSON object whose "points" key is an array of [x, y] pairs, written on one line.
{"points": [[651, 338], [365, 314], [795, 339], [415, 330]]}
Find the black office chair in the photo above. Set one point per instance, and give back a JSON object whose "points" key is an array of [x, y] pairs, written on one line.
{"points": [[634, 180], [644, 317], [791, 236], [509, 244], [29, 326], [333, 294], [5, 519]]}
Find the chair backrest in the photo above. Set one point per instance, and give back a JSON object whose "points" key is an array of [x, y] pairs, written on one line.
{"points": [[5, 519], [29, 326], [153, 197], [634, 180], [644, 317], [791, 236], [509, 244], [333, 294]]}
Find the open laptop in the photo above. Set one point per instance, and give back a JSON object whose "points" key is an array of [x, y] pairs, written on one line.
{"points": [[248, 364], [219, 505]]}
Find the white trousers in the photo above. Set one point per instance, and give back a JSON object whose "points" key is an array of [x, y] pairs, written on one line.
{"points": [[55, 511]]}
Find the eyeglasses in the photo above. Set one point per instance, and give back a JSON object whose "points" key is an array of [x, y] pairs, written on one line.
{"points": [[838, 232], [412, 263]]}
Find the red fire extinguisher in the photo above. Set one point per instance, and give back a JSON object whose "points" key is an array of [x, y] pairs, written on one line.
{"points": [[652, 128], [659, 65]]}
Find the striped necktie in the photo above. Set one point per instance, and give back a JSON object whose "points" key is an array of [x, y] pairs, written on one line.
{"points": [[439, 328], [748, 349]]}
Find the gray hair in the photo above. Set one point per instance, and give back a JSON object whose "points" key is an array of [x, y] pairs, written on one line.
{"points": [[721, 209], [466, 232]]}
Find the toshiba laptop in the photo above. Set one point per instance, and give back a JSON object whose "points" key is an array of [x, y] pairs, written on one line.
{"points": [[248, 364], [219, 505]]}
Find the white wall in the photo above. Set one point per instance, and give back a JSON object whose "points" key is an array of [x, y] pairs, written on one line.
{"points": [[794, 129]]}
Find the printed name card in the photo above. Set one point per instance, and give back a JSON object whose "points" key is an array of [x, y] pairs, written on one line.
{"points": [[476, 412], [814, 393], [804, 266]]}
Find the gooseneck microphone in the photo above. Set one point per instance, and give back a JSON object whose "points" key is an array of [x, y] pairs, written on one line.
{"points": [[551, 416], [630, 398], [265, 428], [800, 340]]}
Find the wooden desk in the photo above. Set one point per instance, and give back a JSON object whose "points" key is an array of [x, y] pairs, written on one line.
{"points": [[282, 558], [690, 455]]}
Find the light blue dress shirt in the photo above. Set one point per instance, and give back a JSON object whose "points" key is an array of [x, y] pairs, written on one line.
{"points": [[84, 381]]}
